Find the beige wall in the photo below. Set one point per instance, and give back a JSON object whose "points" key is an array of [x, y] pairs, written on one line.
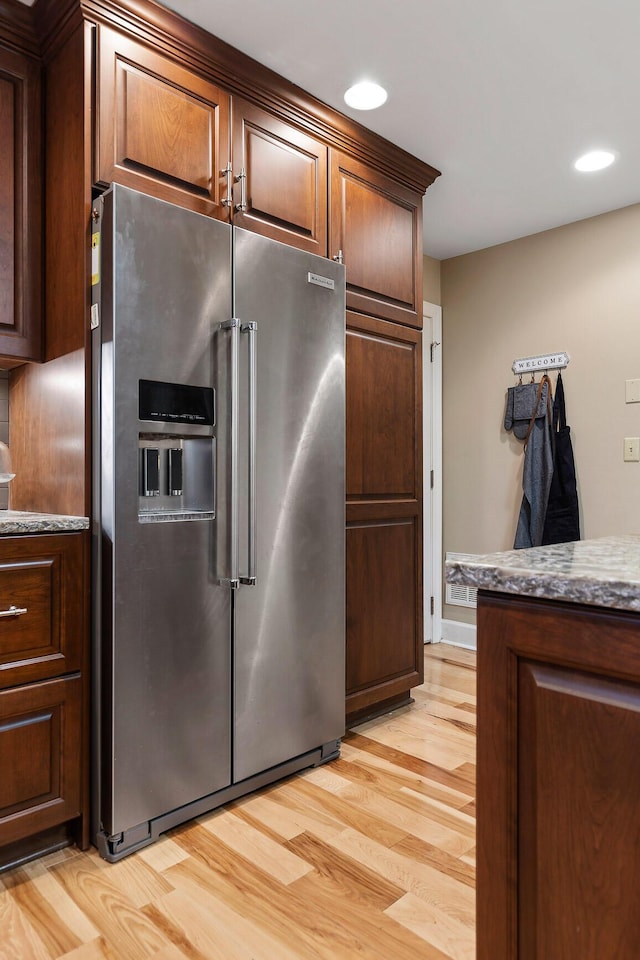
{"points": [[576, 288], [431, 281]]}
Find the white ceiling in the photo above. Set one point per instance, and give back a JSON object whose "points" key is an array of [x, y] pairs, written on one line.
{"points": [[500, 95]]}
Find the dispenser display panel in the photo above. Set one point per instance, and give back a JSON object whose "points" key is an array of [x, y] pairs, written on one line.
{"points": [[163, 402]]}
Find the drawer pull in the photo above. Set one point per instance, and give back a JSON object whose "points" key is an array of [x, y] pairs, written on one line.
{"points": [[13, 611]]}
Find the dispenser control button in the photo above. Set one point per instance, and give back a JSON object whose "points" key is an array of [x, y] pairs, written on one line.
{"points": [[175, 471], [150, 472]]}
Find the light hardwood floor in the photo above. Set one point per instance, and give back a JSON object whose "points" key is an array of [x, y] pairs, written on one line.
{"points": [[371, 856]]}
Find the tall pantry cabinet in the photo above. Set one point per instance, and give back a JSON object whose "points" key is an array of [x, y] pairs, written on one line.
{"points": [[377, 225], [136, 95]]}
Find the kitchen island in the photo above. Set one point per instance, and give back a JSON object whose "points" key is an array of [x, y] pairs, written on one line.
{"points": [[558, 793]]}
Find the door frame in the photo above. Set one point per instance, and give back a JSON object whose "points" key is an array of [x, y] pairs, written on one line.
{"points": [[432, 456]]}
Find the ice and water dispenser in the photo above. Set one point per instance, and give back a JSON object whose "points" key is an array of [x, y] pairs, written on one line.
{"points": [[177, 452]]}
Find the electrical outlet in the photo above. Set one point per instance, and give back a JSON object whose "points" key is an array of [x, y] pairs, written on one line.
{"points": [[631, 448]]}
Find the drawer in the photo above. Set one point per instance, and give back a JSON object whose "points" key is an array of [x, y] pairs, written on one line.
{"points": [[31, 590], [41, 579], [40, 750]]}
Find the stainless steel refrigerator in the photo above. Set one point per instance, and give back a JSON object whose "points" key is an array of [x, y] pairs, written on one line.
{"points": [[218, 395]]}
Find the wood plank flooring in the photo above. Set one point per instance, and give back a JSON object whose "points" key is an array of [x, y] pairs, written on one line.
{"points": [[371, 856]]}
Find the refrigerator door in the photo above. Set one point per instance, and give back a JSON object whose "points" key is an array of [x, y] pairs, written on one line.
{"points": [[165, 650], [289, 626]]}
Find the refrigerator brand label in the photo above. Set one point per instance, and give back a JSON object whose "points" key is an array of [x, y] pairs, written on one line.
{"points": [[321, 281]]}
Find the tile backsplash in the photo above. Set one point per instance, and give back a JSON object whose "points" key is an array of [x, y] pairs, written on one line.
{"points": [[4, 430]]}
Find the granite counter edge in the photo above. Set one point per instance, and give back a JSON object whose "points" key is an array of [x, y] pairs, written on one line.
{"points": [[615, 593], [41, 523]]}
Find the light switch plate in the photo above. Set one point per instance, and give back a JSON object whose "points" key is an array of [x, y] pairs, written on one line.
{"points": [[632, 391], [631, 448]]}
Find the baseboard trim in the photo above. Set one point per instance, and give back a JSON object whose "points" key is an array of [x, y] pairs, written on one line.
{"points": [[459, 634]]}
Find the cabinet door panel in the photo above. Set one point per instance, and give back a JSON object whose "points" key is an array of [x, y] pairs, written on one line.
{"points": [[377, 223], [161, 129], [286, 179], [382, 612], [41, 576], [7, 198], [154, 147], [558, 781], [40, 742], [383, 364], [579, 814], [20, 208]]}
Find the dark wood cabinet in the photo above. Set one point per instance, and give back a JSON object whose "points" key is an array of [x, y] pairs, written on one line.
{"points": [[43, 690], [40, 576], [161, 129], [20, 208], [384, 513], [383, 635], [164, 130], [40, 746], [376, 224], [280, 187], [384, 402], [558, 780]]}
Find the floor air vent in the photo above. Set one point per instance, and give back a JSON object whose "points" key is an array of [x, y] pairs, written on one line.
{"points": [[456, 593]]}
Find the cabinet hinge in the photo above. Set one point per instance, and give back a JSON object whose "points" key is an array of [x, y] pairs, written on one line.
{"points": [[433, 606], [431, 479], [432, 346]]}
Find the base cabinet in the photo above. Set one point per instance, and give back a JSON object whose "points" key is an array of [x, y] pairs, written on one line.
{"points": [[382, 611], [40, 742], [558, 781], [43, 690]]}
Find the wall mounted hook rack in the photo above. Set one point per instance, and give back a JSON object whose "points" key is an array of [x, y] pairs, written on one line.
{"points": [[544, 362]]}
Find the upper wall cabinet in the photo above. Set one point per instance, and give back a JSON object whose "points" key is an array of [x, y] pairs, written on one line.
{"points": [[376, 224], [280, 179], [20, 208], [161, 129], [166, 131]]}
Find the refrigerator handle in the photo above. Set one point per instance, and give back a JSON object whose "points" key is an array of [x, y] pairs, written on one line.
{"points": [[234, 326], [251, 330]]}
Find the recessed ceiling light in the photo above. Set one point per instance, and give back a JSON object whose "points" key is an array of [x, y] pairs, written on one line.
{"points": [[595, 160], [365, 95]]}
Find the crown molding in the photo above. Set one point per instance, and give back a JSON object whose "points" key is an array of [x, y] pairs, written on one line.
{"points": [[17, 29]]}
